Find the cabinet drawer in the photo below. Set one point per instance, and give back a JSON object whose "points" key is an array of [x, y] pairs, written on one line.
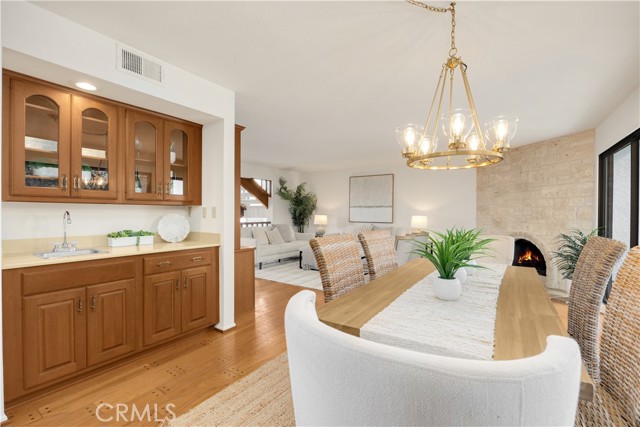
{"points": [[65, 276], [173, 261]]}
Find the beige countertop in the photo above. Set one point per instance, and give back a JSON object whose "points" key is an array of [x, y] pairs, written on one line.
{"points": [[19, 253]]}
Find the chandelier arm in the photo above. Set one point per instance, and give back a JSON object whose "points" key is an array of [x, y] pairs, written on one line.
{"points": [[472, 105], [435, 127], [433, 101]]}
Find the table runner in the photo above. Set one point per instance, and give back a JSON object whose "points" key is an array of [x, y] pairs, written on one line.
{"points": [[417, 320]]}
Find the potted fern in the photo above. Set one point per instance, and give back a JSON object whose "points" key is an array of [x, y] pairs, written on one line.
{"points": [[570, 246], [450, 253]]}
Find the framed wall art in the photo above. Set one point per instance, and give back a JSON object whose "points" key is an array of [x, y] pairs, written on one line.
{"points": [[371, 198]]}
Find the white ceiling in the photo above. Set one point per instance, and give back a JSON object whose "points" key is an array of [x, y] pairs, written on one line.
{"points": [[322, 85]]}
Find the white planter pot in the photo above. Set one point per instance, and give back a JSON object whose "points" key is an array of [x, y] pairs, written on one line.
{"points": [[129, 241], [446, 289], [470, 270], [461, 275]]}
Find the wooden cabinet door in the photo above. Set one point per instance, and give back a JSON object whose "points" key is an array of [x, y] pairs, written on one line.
{"points": [[179, 143], [198, 299], [161, 307], [40, 140], [54, 335], [144, 156], [94, 154], [110, 320]]}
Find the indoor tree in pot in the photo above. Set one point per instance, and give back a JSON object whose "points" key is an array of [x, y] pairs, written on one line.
{"points": [[570, 246], [302, 203], [451, 252]]}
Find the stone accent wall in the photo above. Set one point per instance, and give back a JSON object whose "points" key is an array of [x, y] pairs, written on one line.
{"points": [[540, 190]]}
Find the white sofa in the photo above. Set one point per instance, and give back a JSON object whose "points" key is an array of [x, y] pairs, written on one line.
{"points": [[265, 252], [338, 380]]}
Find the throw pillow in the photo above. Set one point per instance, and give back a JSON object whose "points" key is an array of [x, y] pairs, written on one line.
{"points": [[260, 234], [365, 228], [274, 237], [285, 232]]}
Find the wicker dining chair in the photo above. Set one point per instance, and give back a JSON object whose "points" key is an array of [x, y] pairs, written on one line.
{"points": [[617, 400], [589, 283], [339, 263], [379, 250]]}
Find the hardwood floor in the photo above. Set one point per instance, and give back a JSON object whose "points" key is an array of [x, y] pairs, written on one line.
{"points": [[184, 373]]}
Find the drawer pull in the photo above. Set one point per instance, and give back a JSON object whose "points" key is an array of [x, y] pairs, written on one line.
{"points": [[197, 259], [164, 264], [79, 305], [93, 303]]}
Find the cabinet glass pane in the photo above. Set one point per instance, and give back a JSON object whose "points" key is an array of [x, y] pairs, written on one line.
{"points": [[41, 142], [95, 146], [145, 157], [178, 155]]}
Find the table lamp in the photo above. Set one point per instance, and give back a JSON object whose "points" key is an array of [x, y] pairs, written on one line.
{"points": [[320, 221], [419, 224]]}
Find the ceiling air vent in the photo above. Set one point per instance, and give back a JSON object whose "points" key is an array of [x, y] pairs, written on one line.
{"points": [[137, 64]]}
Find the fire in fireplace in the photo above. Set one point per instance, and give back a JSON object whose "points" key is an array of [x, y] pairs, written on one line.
{"points": [[526, 254]]}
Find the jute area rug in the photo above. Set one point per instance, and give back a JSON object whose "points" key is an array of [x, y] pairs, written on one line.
{"points": [[262, 398]]}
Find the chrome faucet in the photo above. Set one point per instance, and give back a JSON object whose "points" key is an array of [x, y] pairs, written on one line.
{"points": [[65, 246]]}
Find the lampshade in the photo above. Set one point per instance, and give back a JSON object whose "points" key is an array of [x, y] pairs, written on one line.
{"points": [[320, 220], [419, 222]]}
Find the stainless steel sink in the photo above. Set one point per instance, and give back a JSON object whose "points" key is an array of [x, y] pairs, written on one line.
{"points": [[77, 252]]}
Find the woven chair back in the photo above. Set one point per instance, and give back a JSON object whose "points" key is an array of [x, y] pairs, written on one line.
{"points": [[590, 280], [620, 353], [339, 263], [379, 250]]}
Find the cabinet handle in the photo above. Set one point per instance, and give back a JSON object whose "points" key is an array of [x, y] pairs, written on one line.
{"points": [[177, 284], [166, 187], [93, 303], [79, 305], [164, 264], [159, 188], [63, 183], [197, 259], [76, 183], [184, 283]]}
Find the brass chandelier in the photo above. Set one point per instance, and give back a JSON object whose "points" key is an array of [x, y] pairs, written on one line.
{"points": [[466, 147]]}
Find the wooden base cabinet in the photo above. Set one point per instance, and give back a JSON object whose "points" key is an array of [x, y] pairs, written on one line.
{"points": [[62, 321], [181, 300]]}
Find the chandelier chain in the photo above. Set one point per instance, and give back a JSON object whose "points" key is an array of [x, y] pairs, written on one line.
{"points": [[452, 9]]}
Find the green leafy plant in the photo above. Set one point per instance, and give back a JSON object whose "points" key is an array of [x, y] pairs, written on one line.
{"points": [[570, 246], [129, 233], [452, 250], [302, 203]]}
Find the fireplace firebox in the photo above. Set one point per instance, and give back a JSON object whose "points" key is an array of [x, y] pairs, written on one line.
{"points": [[526, 254]]}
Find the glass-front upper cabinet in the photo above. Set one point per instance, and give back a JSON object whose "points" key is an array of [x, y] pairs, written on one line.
{"points": [[94, 155], [178, 146], [144, 180], [40, 135]]}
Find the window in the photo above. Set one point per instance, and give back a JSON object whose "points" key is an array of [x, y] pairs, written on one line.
{"points": [[618, 210]]}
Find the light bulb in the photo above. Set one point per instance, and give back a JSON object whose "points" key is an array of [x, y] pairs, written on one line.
{"points": [[409, 136], [457, 124], [502, 129], [425, 146], [473, 141]]}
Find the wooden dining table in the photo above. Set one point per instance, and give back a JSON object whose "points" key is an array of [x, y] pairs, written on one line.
{"points": [[525, 316]]}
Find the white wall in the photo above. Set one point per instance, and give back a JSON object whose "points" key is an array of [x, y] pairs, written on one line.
{"points": [[278, 208], [39, 43], [448, 198]]}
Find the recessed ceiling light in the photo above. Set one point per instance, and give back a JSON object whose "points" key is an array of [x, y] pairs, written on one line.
{"points": [[86, 86]]}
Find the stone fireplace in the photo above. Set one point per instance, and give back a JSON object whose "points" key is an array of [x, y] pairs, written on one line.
{"points": [[539, 191]]}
